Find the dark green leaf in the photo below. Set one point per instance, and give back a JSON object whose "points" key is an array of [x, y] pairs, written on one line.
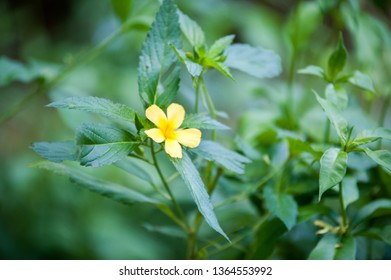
{"points": [[103, 145], [313, 70], [325, 249], [202, 121], [346, 250], [332, 169], [167, 230], [193, 181], [309, 211], [219, 46], [381, 157], [337, 95], [282, 205], [57, 151], [192, 31], [337, 60], [159, 68], [257, 62], [376, 208], [383, 234], [362, 81], [122, 8], [213, 151], [97, 105], [371, 135]]}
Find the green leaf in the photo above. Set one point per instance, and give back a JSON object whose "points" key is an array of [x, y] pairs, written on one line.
{"points": [[371, 135], [350, 190], [258, 62], [282, 205], [333, 114], [337, 60], [57, 151], [383, 234], [106, 188], [192, 67], [346, 250], [122, 8], [219, 46], [375, 208], [313, 70], [381, 157], [308, 211], [193, 181], [97, 105], [131, 167], [192, 31], [362, 81], [298, 146], [325, 249], [221, 67], [159, 67], [103, 145], [332, 169], [202, 121], [213, 151], [337, 95]]}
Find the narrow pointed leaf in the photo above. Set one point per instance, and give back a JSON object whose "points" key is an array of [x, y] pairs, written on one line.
{"points": [[159, 67], [213, 151], [332, 169], [220, 45], [337, 60], [371, 135], [222, 68], [193, 181], [201, 121], [103, 145], [375, 208], [255, 61], [192, 31], [381, 157], [57, 151], [362, 81], [131, 167], [313, 70]]}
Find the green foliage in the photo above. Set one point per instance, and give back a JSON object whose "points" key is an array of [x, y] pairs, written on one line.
{"points": [[122, 8], [337, 60]]}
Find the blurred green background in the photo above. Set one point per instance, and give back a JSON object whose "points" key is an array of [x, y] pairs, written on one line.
{"points": [[44, 216]]}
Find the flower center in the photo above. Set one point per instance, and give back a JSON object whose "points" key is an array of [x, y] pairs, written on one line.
{"points": [[168, 130]]}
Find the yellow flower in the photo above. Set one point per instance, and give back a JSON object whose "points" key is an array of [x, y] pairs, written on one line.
{"points": [[168, 129]]}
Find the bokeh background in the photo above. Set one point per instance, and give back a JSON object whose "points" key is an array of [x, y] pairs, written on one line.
{"points": [[45, 216]]}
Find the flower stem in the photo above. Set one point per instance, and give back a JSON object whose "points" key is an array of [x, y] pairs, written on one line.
{"points": [[345, 223]]}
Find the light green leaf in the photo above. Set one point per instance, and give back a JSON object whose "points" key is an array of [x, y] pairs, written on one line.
{"points": [[375, 208], [97, 105], [346, 250], [222, 68], [337, 60], [337, 95], [362, 81], [381, 157], [193, 181], [332, 169], [159, 67], [333, 114], [219, 46], [106, 188], [313, 70], [103, 145], [192, 67], [282, 205], [122, 8], [57, 151], [350, 190], [325, 249], [371, 135], [131, 167], [192, 31], [213, 151], [202, 121], [255, 61]]}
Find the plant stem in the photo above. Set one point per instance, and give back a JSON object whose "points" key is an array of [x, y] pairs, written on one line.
{"points": [[345, 224], [211, 106]]}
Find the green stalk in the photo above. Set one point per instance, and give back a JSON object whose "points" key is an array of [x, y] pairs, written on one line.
{"points": [[345, 223]]}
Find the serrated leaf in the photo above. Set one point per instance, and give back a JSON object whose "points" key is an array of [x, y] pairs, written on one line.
{"points": [[192, 31], [362, 81], [325, 249], [97, 105], [332, 169], [159, 67], [213, 151], [220, 45], [337, 60], [282, 205], [312, 70], [193, 181], [122, 8], [131, 167], [106, 188], [375, 208], [333, 114], [346, 250], [381, 157], [201, 121], [371, 135], [192, 67], [350, 190], [337, 95], [57, 151], [256, 61], [103, 145]]}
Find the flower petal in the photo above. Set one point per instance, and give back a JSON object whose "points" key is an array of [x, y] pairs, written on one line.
{"points": [[156, 115], [156, 134], [189, 137], [173, 148], [175, 115]]}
